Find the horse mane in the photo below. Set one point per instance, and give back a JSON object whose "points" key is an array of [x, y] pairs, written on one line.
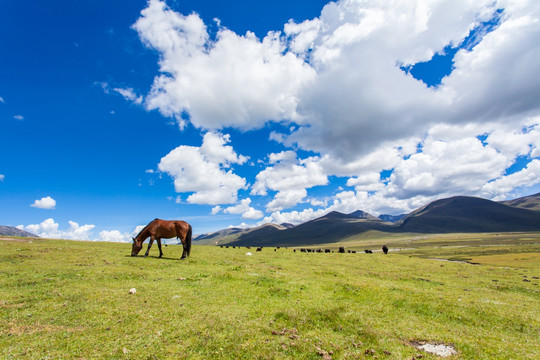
{"points": [[145, 228]]}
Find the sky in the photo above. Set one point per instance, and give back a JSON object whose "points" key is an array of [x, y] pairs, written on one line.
{"points": [[241, 113]]}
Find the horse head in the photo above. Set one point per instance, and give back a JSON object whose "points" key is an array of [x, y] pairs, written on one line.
{"points": [[136, 247]]}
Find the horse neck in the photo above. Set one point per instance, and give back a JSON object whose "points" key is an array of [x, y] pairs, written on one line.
{"points": [[142, 235]]}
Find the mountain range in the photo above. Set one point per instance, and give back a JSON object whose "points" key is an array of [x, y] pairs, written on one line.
{"points": [[459, 214], [13, 231]]}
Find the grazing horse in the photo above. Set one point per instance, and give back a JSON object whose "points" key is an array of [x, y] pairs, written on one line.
{"points": [[158, 229]]}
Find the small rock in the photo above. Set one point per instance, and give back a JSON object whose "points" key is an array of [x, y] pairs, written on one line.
{"points": [[181, 278], [132, 291], [249, 254]]}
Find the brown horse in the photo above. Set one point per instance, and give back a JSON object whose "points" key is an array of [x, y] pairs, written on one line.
{"points": [[158, 229]]}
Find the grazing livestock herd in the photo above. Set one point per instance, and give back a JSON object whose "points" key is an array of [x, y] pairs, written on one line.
{"points": [[341, 249]]}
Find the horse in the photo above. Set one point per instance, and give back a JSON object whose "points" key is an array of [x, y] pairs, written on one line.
{"points": [[158, 229]]}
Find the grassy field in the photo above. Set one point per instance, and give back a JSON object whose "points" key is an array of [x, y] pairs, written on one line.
{"points": [[70, 300]]}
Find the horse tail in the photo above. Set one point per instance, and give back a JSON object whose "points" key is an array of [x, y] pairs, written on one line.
{"points": [[188, 240]]}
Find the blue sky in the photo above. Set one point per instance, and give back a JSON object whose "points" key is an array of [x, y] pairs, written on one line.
{"points": [[240, 113]]}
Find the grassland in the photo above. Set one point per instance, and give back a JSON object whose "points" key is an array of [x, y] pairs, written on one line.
{"points": [[70, 300]]}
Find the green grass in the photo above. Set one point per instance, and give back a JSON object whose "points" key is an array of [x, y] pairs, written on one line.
{"points": [[70, 300]]}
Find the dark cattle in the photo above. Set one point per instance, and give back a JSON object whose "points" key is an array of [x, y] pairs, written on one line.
{"points": [[385, 249], [327, 250], [341, 250], [368, 251], [319, 250], [259, 249]]}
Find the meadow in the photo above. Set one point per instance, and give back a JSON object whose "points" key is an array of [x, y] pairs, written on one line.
{"points": [[64, 299]]}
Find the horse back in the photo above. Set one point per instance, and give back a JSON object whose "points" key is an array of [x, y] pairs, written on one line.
{"points": [[169, 228]]}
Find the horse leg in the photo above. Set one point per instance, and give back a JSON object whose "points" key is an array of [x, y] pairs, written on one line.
{"points": [[159, 247], [149, 245], [184, 252]]}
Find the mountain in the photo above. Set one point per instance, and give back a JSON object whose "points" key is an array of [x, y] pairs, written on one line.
{"points": [[13, 231], [469, 214], [531, 202], [363, 215], [392, 218], [228, 236], [459, 214], [218, 237], [332, 227]]}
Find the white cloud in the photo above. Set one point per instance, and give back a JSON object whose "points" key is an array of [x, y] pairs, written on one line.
{"points": [[114, 236], [129, 94], [245, 209], [2, 100], [338, 79], [247, 81], [203, 170], [501, 187], [289, 179], [44, 203], [18, 117], [50, 229], [2, 177]]}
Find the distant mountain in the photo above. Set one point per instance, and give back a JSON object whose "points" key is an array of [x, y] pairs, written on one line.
{"points": [[363, 215], [392, 218], [469, 214], [459, 214], [332, 227], [13, 231], [218, 237], [531, 202], [227, 236]]}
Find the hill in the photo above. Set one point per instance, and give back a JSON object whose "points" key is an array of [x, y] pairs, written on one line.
{"points": [[392, 218], [331, 227], [469, 214], [13, 231], [459, 214], [531, 202]]}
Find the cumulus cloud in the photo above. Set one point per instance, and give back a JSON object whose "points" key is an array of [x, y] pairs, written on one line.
{"points": [[115, 236], [44, 203], [499, 188], [339, 78], [205, 171], [248, 81], [2, 177], [51, 230], [289, 178], [245, 209]]}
